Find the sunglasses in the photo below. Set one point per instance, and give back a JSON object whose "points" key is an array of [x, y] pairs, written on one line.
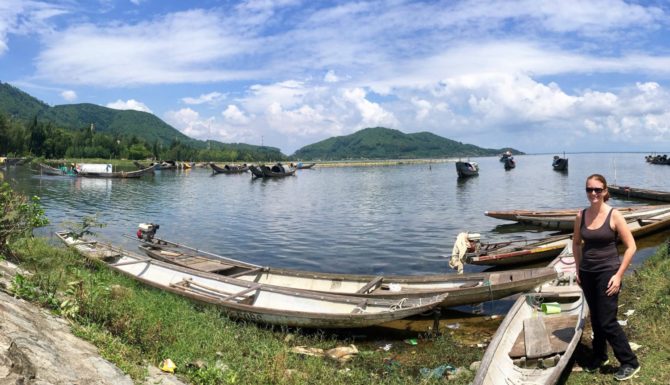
{"points": [[597, 190]]}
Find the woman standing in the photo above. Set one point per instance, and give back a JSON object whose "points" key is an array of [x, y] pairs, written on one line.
{"points": [[600, 274]]}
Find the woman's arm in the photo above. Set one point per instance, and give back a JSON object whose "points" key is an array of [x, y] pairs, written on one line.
{"points": [[627, 239], [577, 243]]}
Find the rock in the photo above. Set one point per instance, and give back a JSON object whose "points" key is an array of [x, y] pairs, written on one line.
{"points": [[475, 366], [38, 348]]}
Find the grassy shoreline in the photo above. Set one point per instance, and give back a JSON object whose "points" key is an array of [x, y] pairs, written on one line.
{"points": [[134, 325]]}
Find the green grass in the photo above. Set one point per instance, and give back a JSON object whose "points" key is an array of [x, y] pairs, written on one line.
{"points": [[134, 325]]}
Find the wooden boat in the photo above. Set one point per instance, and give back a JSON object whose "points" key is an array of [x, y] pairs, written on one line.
{"points": [[276, 171], [532, 346], [551, 247], [519, 252], [509, 162], [303, 166], [466, 169], [256, 172], [48, 170], [252, 301], [461, 289], [513, 215], [559, 164], [567, 222], [117, 174], [632, 192], [229, 169]]}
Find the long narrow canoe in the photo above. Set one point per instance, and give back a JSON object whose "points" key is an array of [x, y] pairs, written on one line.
{"points": [[512, 215], [517, 254], [461, 289], [632, 192], [253, 301], [48, 170], [532, 346], [567, 223], [551, 247], [118, 174]]}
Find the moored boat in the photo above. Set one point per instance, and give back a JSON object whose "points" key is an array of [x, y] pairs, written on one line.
{"points": [[535, 340], [252, 301], [278, 170], [567, 222], [229, 169], [560, 164], [462, 289], [466, 169], [513, 215], [116, 174], [48, 170], [632, 192], [304, 166]]}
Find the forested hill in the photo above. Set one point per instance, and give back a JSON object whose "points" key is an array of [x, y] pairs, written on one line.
{"points": [[19, 105], [385, 143]]}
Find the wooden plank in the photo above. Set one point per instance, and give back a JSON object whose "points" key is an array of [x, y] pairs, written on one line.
{"points": [[246, 272], [375, 281], [131, 262], [360, 307], [561, 329], [536, 339], [241, 293]]}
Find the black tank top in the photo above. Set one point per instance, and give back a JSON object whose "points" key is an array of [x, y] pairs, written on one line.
{"points": [[599, 252]]}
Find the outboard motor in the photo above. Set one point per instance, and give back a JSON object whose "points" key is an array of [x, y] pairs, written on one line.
{"points": [[146, 231]]}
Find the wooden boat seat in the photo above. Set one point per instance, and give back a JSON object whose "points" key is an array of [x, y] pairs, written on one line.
{"points": [[559, 330], [370, 286], [535, 338], [360, 307]]}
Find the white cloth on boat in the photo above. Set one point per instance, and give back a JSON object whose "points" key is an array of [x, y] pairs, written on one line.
{"points": [[458, 252]]}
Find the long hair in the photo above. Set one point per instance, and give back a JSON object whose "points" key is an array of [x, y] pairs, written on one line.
{"points": [[602, 180]]}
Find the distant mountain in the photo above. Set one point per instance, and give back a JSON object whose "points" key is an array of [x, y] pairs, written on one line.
{"points": [[386, 143], [19, 105]]}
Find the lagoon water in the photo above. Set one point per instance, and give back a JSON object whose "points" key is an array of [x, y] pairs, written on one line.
{"points": [[377, 220]]}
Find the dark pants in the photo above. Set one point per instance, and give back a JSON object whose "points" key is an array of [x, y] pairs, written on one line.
{"points": [[604, 318]]}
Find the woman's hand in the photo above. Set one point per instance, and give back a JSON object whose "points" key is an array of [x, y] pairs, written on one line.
{"points": [[614, 285]]}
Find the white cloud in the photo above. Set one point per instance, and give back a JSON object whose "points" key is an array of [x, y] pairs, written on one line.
{"points": [[330, 77], [372, 114], [25, 17], [210, 98], [130, 104], [69, 95], [234, 115]]}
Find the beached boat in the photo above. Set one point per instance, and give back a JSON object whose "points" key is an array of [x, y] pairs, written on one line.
{"points": [[462, 289], [539, 334], [466, 169], [229, 169], [253, 301], [632, 192], [560, 164], [517, 252], [117, 174], [536, 339]]}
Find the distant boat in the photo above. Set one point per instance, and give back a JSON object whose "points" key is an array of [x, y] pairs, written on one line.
{"points": [[466, 169], [304, 166], [276, 171], [509, 162], [505, 155], [229, 169], [252, 301], [118, 174], [48, 170], [560, 164], [632, 192]]}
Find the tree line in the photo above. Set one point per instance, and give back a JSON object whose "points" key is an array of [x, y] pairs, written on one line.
{"points": [[43, 139]]}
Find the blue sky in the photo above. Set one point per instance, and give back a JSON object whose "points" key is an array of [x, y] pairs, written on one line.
{"points": [[540, 76]]}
